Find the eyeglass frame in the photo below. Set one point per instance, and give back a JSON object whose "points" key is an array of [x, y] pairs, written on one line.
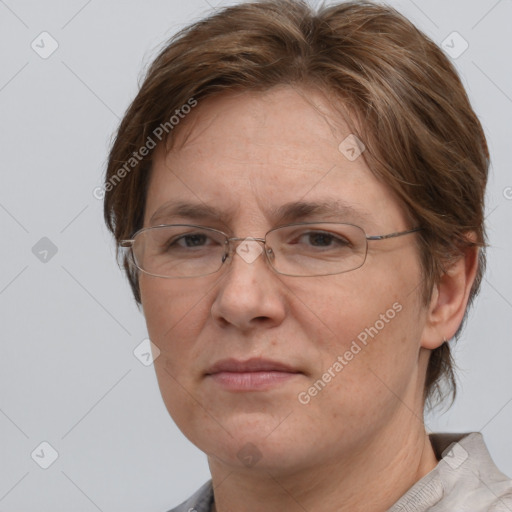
{"points": [[128, 243]]}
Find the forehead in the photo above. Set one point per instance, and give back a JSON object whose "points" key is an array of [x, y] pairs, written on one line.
{"points": [[250, 154]]}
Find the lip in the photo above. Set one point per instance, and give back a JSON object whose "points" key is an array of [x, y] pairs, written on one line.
{"points": [[250, 375], [250, 365]]}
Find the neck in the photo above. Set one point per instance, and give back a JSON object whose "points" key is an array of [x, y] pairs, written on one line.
{"points": [[372, 477]]}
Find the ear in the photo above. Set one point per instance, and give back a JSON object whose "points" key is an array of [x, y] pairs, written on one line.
{"points": [[449, 299]]}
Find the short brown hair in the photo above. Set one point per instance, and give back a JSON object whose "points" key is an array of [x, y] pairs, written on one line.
{"points": [[421, 135]]}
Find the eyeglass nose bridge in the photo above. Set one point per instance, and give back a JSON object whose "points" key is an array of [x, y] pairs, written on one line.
{"points": [[248, 248]]}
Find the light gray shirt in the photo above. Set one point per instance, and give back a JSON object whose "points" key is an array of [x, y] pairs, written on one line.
{"points": [[464, 480]]}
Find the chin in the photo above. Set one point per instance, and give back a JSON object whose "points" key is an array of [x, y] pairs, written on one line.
{"points": [[253, 440]]}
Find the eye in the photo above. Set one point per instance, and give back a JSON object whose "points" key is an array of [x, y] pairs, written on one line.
{"points": [[323, 239], [191, 240], [319, 239]]}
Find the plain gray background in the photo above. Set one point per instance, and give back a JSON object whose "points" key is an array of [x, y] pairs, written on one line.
{"points": [[68, 374]]}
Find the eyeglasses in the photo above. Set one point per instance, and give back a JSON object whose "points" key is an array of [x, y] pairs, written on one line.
{"points": [[301, 250]]}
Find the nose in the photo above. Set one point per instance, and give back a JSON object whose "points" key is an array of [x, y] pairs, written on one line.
{"points": [[250, 293]]}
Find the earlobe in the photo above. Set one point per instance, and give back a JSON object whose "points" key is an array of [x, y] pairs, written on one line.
{"points": [[449, 300]]}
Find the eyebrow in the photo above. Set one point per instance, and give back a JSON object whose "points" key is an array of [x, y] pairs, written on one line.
{"points": [[327, 210], [193, 211], [295, 211]]}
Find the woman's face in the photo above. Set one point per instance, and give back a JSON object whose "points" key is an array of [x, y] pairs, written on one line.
{"points": [[267, 370]]}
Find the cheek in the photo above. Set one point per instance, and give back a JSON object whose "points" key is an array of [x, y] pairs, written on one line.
{"points": [[369, 370], [175, 316], [170, 307], [369, 326]]}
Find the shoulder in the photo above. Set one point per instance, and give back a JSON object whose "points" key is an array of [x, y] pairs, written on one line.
{"points": [[502, 503], [469, 476], [465, 479], [200, 501]]}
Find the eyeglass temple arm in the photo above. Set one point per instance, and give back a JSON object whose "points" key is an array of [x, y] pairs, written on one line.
{"points": [[393, 235]]}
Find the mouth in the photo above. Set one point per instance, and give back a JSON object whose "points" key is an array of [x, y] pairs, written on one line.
{"points": [[250, 375]]}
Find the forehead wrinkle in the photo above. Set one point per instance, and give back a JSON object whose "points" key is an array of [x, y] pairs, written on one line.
{"points": [[295, 211]]}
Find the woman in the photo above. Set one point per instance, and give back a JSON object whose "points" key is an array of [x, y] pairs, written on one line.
{"points": [[301, 197]]}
